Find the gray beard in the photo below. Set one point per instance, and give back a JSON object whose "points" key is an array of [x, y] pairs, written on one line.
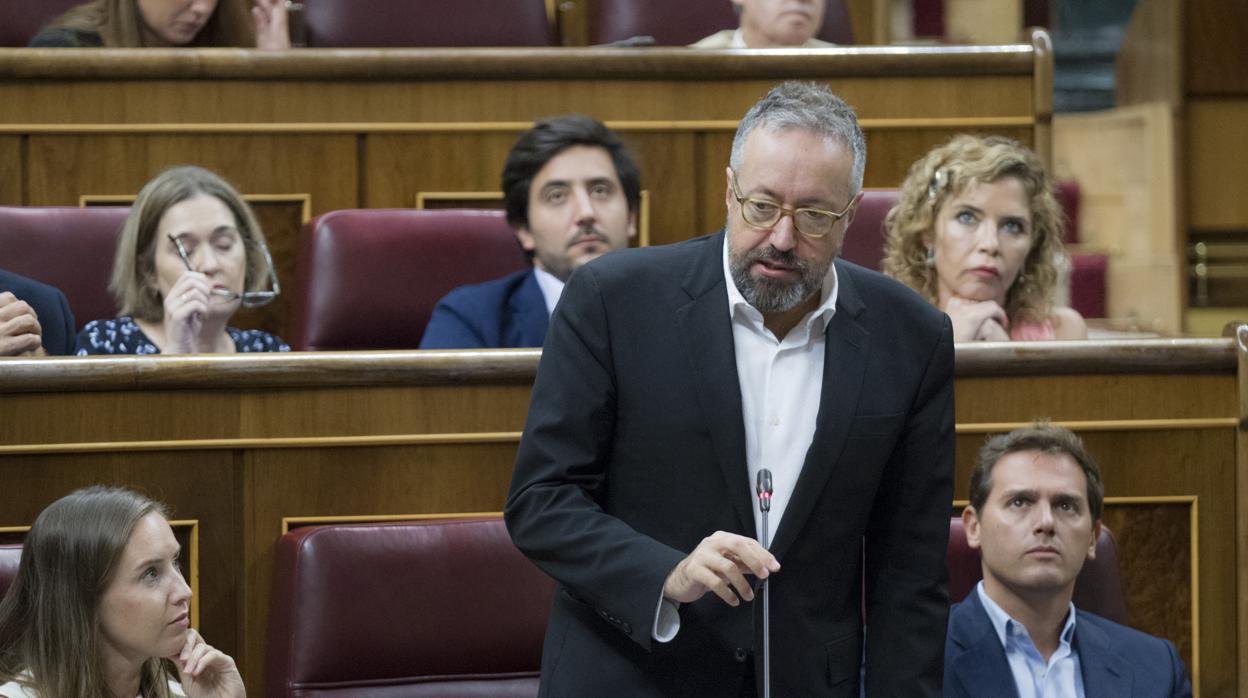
{"points": [[772, 295]]}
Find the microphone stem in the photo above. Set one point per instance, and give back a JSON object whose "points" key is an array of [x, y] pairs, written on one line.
{"points": [[766, 618]]}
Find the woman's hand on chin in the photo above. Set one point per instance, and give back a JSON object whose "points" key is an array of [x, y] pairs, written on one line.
{"points": [[207, 672], [977, 321], [272, 24]]}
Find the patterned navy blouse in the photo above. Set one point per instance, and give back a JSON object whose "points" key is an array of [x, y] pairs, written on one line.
{"points": [[123, 336]]}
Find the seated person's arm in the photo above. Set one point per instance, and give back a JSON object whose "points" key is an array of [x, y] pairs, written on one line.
{"points": [[20, 332]]}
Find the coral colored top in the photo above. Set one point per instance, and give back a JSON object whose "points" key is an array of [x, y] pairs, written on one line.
{"points": [[1032, 331]]}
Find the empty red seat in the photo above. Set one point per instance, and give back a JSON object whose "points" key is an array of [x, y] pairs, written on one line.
{"points": [[20, 20], [399, 23], [864, 241], [69, 248], [427, 609], [682, 22], [369, 278]]}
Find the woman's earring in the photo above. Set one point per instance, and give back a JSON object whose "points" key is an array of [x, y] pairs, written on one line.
{"points": [[931, 257]]}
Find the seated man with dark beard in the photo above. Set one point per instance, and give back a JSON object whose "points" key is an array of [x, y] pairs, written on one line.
{"points": [[572, 193]]}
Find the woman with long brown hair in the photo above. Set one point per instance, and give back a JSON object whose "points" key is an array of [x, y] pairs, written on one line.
{"points": [[100, 609], [167, 23]]}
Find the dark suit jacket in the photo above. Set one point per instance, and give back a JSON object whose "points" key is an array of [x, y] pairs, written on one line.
{"points": [[55, 318], [1116, 661], [506, 312], [634, 451]]}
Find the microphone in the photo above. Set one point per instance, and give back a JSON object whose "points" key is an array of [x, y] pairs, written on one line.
{"points": [[763, 487]]}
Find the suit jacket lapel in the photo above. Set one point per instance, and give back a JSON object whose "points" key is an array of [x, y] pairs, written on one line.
{"points": [[1104, 672], [844, 364], [979, 665], [529, 317], [707, 331]]}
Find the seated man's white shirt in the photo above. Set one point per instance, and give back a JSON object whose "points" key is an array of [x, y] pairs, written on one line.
{"points": [[551, 288]]}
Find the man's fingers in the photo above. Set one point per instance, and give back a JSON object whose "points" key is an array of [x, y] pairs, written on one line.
{"points": [[751, 556]]}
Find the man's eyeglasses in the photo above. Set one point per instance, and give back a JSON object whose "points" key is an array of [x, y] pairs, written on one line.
{"points": [[249, 299], [762, 213]]}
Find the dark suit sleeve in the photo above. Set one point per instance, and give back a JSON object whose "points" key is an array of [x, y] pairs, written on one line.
{"points": [[906, 581], [1182, 687], [62, 343], [451, 326], [555, 512]]}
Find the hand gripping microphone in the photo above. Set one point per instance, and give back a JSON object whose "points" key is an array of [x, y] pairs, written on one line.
{"points": [[764, 488]]}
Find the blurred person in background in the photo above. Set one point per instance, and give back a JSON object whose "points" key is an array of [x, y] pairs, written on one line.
{"points": [[168, 23], [190, 254]]}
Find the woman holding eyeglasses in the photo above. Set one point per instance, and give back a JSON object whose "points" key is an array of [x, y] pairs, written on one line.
{"points": [[978, 233], [189, 255]]}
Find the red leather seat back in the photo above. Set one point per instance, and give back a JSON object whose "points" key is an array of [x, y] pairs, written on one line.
{"points": [[69, 248], [1098, 589], [864, 241], [399, 23], [20, 20], [1068, 198], [429, 609], [369, 279], [10, 558], [682, 22]]}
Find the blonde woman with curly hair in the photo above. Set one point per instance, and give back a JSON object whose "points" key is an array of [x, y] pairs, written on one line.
{"points": [[978, 233]]}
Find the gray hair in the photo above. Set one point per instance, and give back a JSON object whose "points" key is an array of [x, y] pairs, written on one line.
{"points": [[809, 107]]}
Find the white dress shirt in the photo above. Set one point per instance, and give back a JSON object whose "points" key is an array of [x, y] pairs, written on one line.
{"points": [[551, 288], [781, 384], [1060, 677]]}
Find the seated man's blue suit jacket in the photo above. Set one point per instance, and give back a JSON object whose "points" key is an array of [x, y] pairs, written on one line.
{"points": [[1116, 661], [506, 312], [55, 319]]}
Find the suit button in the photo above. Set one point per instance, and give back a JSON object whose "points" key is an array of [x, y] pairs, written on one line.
{"points": [[739, 655]]}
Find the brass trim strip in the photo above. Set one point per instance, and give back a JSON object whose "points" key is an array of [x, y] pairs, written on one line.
{"points": [[378, 518], [270, 443], [1108, 425], [514, 436], [953, 122], [305, 201]]}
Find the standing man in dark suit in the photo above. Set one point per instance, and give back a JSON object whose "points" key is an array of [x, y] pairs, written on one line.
{"points": [[572, 192], [1035, 516], [35, 319], [672, 375]]}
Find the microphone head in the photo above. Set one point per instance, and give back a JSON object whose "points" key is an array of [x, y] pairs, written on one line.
{"points": [[763, 484]]}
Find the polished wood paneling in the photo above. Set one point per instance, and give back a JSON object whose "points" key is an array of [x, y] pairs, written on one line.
{"points": [[1215, 33], [1217, 148], [11, 162], [1156, 562]]}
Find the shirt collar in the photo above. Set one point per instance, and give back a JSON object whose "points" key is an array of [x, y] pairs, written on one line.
{"points": [[816, 321], [1005, 626], [551, 288], [738, 40]]}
